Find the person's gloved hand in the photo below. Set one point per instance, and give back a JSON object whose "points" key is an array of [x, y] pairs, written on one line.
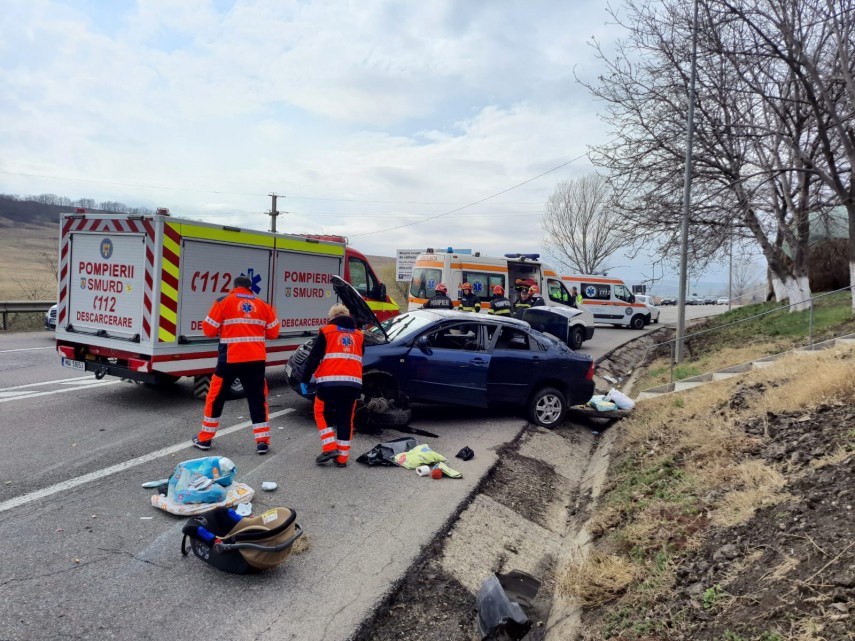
{"points": [[303, 389]]}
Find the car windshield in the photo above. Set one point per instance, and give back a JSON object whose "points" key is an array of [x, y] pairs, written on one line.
{"points": [[402, 325]]}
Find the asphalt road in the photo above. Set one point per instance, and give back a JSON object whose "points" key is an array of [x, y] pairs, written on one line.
{"points": [[86, 556]]}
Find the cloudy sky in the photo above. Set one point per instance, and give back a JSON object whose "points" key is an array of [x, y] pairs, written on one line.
{"points": [[398, 124]]}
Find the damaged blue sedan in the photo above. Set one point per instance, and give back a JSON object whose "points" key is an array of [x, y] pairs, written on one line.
{"points": [[477, 360]]}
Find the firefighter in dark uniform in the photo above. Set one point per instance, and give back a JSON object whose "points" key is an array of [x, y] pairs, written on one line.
{"points": [[336, 362], [535, 298], [243, 322], [440, 300], [469, 302], [522, 303], [499, 304]]}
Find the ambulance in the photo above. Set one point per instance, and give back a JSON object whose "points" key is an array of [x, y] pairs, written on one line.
{"points": [[511, 271], [134, 290], [609, 300]]}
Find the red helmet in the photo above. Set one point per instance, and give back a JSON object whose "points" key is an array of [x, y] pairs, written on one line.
{"points": [[441, 288], [534, 289], [466, 286], [498, 290]]}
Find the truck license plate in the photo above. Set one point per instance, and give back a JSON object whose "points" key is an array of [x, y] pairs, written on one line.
{"points": [[67, 362]]}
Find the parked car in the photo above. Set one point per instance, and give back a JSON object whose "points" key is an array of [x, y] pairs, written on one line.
{"points": [[652, 310], [668, 300], [709, 300], [443, 356], [723, 300], [569, 325], [50, 318]]}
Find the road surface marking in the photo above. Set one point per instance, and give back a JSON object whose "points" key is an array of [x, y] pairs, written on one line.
{"points": [[119, 467], [25, 349], [60, 391], [58, 380]]}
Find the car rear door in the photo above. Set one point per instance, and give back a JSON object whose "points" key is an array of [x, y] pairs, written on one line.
{"points": [[517, 363], [451, 368]]}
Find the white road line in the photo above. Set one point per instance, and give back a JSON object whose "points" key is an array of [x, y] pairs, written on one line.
{"points": [[24, 349], [58, 380], [61, 391], [119, 467], [19, 393]]}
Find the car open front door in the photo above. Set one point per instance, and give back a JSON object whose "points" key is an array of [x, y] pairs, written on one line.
{"points": [[449, 365]]}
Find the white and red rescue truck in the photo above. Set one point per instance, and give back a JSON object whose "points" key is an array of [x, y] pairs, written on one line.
{"points": [[134, 290]]}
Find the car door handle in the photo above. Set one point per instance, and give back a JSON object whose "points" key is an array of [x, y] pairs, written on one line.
{"points": [[479, 361]]}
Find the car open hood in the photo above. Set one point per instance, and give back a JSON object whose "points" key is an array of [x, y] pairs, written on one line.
{"points": [[359, 310]]}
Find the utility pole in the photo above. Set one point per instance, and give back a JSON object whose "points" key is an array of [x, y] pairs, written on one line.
{"points": [[687, 190], [730, 274], [273, 213]]}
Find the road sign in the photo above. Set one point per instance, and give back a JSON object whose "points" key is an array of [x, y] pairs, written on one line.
{"points": [[405, 260]]}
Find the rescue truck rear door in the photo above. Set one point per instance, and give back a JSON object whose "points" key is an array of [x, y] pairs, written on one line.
{"points": [[208, 270], [106, 283]]}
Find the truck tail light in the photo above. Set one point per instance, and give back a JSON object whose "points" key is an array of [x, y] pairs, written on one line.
{"points": [[66, 350], [139, 365], [590, 375]]}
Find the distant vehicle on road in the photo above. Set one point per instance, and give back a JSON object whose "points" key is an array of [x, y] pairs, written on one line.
{"points": [[668, 300], [723, 300], [50, 319], [710, 300], [652, 310]]}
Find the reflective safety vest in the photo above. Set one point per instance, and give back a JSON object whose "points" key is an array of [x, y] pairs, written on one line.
{"points": [[470, 303], [342, 362], [243, 322], [500, 306]]}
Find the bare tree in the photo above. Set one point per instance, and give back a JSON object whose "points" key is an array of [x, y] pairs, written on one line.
{"points": [[581, 229]]}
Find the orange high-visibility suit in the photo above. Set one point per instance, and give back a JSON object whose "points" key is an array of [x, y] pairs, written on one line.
{"points": [[243, 322]]}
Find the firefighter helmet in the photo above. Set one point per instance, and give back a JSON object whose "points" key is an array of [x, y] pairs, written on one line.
{"points": [[466, 286], [441, 288], [534, 289], [498, 290]]}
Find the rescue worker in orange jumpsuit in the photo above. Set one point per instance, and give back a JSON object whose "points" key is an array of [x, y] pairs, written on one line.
{"points": [[243, 322], [336, 362]]}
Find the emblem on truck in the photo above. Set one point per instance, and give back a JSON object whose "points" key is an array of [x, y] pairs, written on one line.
{"points": [[106, 248]]}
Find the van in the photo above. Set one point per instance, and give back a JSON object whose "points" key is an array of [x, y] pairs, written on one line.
{"points": [[511, 271], [609, 300]]}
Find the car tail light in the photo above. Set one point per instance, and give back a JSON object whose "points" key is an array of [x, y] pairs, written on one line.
{"points": [[139, 365], [590, 375], [66, 350]]}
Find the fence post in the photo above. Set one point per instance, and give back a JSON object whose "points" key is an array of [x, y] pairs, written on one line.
{"points": [[673, 356]]}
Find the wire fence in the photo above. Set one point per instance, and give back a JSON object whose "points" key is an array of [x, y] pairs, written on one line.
{"points": [[810, 302]]}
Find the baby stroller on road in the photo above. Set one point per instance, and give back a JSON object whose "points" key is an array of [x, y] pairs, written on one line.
{"points": [[232, 543]]}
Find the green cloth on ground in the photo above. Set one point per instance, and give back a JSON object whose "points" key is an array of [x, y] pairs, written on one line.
{"points": [[419, 455]]}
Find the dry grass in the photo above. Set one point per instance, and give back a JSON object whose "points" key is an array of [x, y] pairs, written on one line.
{"points": [[597, 579], [28, 255]]}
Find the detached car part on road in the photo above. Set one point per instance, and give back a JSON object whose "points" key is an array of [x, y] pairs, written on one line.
{"points": [[448, 357]]}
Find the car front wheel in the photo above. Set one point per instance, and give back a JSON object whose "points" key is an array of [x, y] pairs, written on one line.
{"points": [[637, 322], [547, 407]]}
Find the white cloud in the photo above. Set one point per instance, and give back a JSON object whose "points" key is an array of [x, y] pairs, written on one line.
{"points": [[406, 103]]}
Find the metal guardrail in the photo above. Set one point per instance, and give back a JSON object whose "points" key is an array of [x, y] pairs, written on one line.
{"points": [[809, 301], [23, 307]]}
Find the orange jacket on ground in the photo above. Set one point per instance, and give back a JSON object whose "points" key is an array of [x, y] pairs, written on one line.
{"points": [[243, 322]]}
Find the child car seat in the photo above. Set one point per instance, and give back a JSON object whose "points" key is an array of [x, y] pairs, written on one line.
{"points": [[232, 543]]}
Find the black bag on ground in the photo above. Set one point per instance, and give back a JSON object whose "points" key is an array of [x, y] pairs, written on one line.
{"points": [[384, 453], [242, 545]]}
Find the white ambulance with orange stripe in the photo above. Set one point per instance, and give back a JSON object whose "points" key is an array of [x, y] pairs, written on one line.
{"points": [[134, 290], [511, 271], [609, 300]]}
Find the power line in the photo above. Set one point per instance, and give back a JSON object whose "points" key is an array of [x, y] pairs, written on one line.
{"points": [[234, 193], [477, 202]]}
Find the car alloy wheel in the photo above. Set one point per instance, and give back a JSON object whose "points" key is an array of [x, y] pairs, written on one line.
{"points": [[547, 407]]}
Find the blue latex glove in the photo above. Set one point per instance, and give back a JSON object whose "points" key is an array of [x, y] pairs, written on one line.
{"points": [[303, 389]]}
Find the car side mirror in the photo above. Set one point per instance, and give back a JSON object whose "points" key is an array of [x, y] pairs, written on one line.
{"points": [[378, 292], [423, 343]]}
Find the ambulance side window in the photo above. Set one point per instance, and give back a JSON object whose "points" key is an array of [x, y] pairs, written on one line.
{"points": [[482, 283], [622, 293]]}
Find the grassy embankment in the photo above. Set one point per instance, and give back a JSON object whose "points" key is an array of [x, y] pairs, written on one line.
{"points": [[684, 466], [744, 342]]}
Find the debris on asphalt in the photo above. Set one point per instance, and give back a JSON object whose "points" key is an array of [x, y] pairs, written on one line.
{"points": [[200, 484], [385, 453], [500, 605], [269, 486], [465, 453]]}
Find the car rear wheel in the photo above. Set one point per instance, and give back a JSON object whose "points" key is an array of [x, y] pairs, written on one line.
{"points": [[637, 322], [577, 336], [547, 407]]}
